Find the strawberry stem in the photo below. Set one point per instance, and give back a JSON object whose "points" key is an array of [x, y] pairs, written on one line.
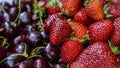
{"points": [[114, 49]]}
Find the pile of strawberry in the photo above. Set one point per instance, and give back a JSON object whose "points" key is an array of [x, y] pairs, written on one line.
{"points": [[88, 32], [85, 32]]}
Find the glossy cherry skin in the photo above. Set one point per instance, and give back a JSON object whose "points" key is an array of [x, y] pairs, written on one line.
{"points": [[28, 29], [24, 64], [15, 2], [25, 18], [59, 65], [5, 6], [33, 39], [11, 61], [3, 52], [13, 12], [6, 17], [40, 63], [51, 53]]}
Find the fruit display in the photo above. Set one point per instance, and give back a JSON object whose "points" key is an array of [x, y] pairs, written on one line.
{"points": [[60, 34]]}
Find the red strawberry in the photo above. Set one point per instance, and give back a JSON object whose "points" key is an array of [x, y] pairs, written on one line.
{"points": [[97, 55], [79, 30], [50, 20], [53, 6], [81, 17], [70, 50], [115, 36], [114, 10], [70, 7], [59, 31], [100, 31], [95, 10]]}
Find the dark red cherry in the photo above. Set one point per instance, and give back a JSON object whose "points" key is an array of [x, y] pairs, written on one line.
{"points": [[28, 7], [11, 61], [13, 12], [6, 17], [51, 53], [5, 6], [40, 63], [25, 18], [33, 38], [59, 65], [3, 52], [1, 65], [28, 29], [24, 64], [19, 48], [15, 2]]}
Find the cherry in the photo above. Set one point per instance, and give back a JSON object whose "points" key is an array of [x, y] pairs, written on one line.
{"points": [[25, 18], [13, 11], [6, 17], [1, 65], [28, 29], [15, 2], [5, 5], [40, 63], [28, 7], [33, 38], [11, 61], [24, 64], [51, 53], [19, 48], [3, 52], [59, 65]]}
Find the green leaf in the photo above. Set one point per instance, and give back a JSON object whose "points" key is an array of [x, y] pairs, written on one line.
{"points": [[114, 49]]}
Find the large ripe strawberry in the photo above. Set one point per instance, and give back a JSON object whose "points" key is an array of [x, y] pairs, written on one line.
{"points": [[97, 55], [100, 30], [79, 30], [95, 10], [70, 7], [59, 31], [115, 36], [53, 6], [70, 50], [50, 20], [82, 18]]}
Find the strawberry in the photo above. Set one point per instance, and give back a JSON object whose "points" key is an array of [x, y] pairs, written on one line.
{"points": [[70, 7], [96, 55], [79, 30], [114, 10], [115, 36], [59, 31], [50, 20], [53, 6], [95, 10], [100, 31], [70, 50], [82, 18]]}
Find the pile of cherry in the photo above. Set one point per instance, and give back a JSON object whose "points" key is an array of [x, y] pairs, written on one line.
{"points": [[47, 34]]}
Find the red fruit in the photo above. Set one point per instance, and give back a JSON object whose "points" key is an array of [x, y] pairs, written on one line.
{"points": [[115, 36], [50, 20], [103, 2], [81, 17], [53, 6], [70, 7], [59, 31], [100, 31], [114, 10], [70, 50], [95, 10], [79, 30], [97, 55]]}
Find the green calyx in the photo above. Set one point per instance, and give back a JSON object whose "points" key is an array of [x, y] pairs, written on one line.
{"points": [[53, 3], [107, 9], [38, 9], [114, 49], [87, 2]]}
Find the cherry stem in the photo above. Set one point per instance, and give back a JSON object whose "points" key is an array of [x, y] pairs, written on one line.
{"points": [[2, 9], [4, 40], [34, 56], [19, 6]]}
